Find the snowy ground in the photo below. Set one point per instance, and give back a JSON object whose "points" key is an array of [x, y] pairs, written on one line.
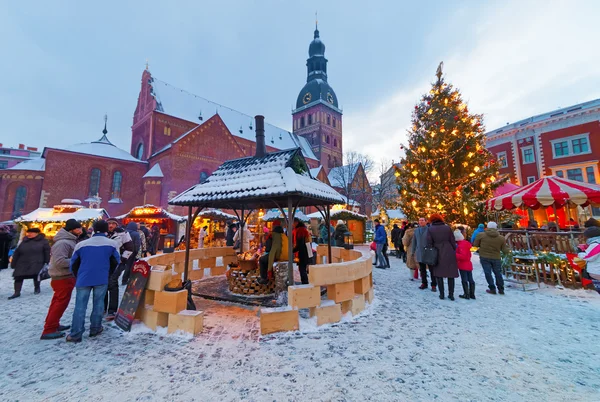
{"points": [[409, 345]]}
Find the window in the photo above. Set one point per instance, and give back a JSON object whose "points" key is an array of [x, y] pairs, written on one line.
{"points": [[4, 151], [560, 173], [203, 177], [335, 142], [580, 145], [327, 140], [328, 119], [591, 177], [530, 179], [502, 159], [301, 121], [20, 198], [310, 119], [561, 148], [3, 164], [575, 174], [334, 122], [167, 130], [139, 152], [575, 145], [116, 185], [94, 182], [335, 161], [528, 156]]}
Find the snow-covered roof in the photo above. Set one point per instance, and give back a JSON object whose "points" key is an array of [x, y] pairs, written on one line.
{"points": [[217, 213], [103, 148], [185, 105], [156, 171], [315, 171], [342, 176], [391, 213], [48, 215], [337, 212], [276, 214], [36, 165], [157, 211], [258, 177]]}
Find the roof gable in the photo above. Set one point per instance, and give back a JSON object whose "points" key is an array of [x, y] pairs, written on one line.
{"points": [[156, 171]]}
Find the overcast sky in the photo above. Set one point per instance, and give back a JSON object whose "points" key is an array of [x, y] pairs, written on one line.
{"points": [[66, 63]]}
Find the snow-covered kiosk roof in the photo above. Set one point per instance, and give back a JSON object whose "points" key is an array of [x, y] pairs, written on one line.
{"points": [[260, 182], [149, 211], [275, 214], [62, 213]]}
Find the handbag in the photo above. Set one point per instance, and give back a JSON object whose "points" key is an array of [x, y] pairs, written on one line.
{"points": [[309, 250], [237, 244], [430, 255], [43, 275]]}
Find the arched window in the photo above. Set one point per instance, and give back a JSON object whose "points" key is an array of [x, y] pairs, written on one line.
{"points": [[116, 185], [310, 119], [327, 140], [335, 161], [328, 119], [301, 121], [335, 142], [19, 204], [139, 152], [94, 182], [334, 122], [203, 177]]}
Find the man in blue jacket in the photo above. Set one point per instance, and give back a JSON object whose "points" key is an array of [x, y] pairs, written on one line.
{"points": [[479, 229], [92, 262], [380, 240]]}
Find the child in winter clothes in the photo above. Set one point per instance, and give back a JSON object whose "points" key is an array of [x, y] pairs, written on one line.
{"points": [[591, 255], [465, 266]]}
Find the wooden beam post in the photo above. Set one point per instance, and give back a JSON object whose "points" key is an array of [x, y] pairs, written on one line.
{"points": [[328, 223], [290, 229]]}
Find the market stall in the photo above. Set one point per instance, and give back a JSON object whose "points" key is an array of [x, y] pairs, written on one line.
{"points": [[355, 222], [216, 221], [166, 222], [51, 220]]}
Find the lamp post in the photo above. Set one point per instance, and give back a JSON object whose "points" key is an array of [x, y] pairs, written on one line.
{"points": [[169, 245]]}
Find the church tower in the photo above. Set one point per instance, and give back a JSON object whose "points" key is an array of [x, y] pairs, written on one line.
{"points": [[317, 116]]}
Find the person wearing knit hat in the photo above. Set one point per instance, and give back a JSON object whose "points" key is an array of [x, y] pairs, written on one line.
{"points": [[339, 233], [591, 255], [28, 260], [62, 280], [491, 244], [591, 222], [465, 266]]}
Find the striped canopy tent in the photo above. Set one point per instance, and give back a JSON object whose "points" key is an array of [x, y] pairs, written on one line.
{"points": [[546, 192]]}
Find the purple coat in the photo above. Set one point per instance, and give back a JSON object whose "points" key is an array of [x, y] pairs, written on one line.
{"points": [[442, 238]]}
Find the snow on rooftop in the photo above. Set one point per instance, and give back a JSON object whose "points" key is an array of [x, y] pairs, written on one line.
{"points": [[256, 177], [102, 148], [36, 165], [156, 171], [276, 214], [185, 105], [48, 215], [315, 171]]}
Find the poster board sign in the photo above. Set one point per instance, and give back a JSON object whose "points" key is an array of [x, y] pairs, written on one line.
{"points": [[133, 294]]}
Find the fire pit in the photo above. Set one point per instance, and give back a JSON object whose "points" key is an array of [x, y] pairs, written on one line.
{"points": [[243, 278]]}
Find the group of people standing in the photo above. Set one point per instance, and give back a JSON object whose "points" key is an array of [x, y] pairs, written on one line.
{"points": [[453, 252]]}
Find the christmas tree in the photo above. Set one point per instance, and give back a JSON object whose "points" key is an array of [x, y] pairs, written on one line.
{"points": [[447, 169]]}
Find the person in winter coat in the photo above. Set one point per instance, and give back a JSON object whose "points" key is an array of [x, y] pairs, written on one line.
{"points": [[442, 238], [301, 238], [323, 233], [591, 255], [418, 244], [5, 242], [62, 280], [397, 240], [245, 244], [491, 244], [480, 228], [273, 248], [201, 236], [142, 251], [591, 223], [146, 245], [231, 228], [28, 260], [380, 239], [465, 266], [132, 229], [411, 261], [126, 249], [92, 262], [339, 233], [154, 239]]}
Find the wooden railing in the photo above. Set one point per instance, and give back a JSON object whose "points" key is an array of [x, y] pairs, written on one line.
{"points": [[528, 241]]}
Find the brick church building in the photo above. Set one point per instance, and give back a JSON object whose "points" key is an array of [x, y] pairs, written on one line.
{"points": [[178, 140]]}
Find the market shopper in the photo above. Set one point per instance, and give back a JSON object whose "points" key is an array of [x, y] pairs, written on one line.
{"points": [[238, 244], [154, 239], [441, 237], [418, 244], [302, 241], [231, 228], [147, 235], [273, 249], [92, 262], [126, 249], [62, 280], [339, 233], [380, 240], [397, 240], [491, 244], [132, 229], [407, 240], [465, 266], [201, 236], [591, 255], [5, 242], [28, 260], [480, 228]]}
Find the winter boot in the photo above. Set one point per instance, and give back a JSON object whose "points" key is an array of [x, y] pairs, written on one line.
{"points": [[491, 291], [37, 290], [451, 289], [441, 287], [18, 286], [423, 286], [472, 291], [501, 291], [465, 294]]}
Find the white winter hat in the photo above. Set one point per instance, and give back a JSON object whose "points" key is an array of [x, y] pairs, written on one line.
{"points": [[492, 225], [340, 222], [458, 235]]}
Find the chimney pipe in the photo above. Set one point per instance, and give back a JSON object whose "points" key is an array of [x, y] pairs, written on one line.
{"points": [[21, 146], [261, 148]]}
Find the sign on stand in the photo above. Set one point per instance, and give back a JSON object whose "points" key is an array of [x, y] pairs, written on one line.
{"points": [[133, 294]]}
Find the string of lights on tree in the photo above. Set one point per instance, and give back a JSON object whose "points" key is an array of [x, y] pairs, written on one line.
{"points": [[447, 168]]}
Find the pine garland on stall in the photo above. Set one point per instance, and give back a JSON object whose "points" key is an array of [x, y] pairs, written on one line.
{"points": [[447, 168]]}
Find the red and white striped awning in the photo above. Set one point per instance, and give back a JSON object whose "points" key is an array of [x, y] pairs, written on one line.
{"points": [[545, 192]]}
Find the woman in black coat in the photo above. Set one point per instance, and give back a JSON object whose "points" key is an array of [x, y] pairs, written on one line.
{"points": [[28, 260], [5, 242], [441, 237]]}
